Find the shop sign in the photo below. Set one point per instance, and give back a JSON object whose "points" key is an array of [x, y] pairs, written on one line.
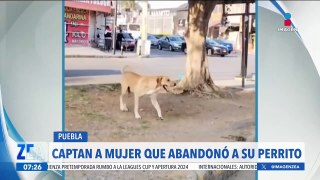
{"points": [[76, 26]]}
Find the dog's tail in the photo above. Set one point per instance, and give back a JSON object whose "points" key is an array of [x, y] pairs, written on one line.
{"points": [[126, 68]]}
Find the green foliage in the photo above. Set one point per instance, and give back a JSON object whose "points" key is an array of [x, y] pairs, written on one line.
{"points": [[130, 5]]}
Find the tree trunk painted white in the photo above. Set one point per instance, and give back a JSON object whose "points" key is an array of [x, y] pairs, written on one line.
{"points": [[197, 70]]}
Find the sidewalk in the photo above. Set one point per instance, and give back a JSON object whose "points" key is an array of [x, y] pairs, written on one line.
{"points": [[113, 79], [94, 68], [89, 52]]}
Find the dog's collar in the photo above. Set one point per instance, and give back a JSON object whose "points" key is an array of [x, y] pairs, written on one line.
{"points": [[164, 87]]}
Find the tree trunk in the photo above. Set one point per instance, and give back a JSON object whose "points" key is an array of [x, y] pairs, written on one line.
{"points": [[197, 74]]}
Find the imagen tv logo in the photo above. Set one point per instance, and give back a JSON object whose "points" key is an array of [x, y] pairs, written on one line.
{"points": [[287, 24]]}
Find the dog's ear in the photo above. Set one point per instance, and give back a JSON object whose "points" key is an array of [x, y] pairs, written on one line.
{"points": [[159, 79]]}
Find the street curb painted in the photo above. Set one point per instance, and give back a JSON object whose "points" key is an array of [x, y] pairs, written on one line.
{"points": [[95, 56]]}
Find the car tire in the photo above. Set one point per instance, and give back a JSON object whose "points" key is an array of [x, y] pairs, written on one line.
{"points": [[222, 55], [170, 48], [159, 47]]}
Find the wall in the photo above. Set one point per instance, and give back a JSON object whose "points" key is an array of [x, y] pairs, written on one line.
{"points": [[92, 23], [180, 15]]}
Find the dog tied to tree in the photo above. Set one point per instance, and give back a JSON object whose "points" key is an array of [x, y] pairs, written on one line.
{"points": [[143, 85]]}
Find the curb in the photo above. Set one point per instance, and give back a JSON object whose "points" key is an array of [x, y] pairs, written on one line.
{"points": [[242, 89], [104, 56], [236, 87], [95, 56]]}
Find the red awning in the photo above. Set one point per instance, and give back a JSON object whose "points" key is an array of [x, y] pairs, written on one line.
{"points": [[89, 5]]}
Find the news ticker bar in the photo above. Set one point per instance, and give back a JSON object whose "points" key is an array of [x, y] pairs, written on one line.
{"points": [[164, 152], [160, 166]]}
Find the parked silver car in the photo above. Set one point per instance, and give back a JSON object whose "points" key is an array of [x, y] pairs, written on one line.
{"points": [[152, 38], [170, 42], [216, 48], [154, 41]]}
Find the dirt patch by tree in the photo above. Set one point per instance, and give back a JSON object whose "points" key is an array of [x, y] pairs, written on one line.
{"points": [[95, 109]]}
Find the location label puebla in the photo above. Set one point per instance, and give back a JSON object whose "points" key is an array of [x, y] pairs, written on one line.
{"points": [[61, 136]]}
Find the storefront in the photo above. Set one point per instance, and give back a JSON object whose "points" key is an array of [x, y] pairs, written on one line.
{"points": [[82, 19]]}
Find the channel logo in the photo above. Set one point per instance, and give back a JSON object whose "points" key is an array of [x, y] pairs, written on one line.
{"points": [[287, 24], [287, 21], [25, 152], [31, 152]]}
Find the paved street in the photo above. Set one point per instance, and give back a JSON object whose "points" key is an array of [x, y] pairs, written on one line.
{"points": [[161, 62], [166, 53]]}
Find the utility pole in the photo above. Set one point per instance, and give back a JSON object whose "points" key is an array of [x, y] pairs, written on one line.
{"points": [[245, 36], [105, 25], [115, 27]]}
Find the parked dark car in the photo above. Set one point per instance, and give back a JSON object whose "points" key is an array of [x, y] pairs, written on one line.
{"points": [[225, 43], [211, 45], [152, 38], [216, 48], [170, 42], [128, 42]]}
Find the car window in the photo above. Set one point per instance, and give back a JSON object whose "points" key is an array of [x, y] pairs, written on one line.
{"points": [[151, 37], [216, 42], [222, 41], [174, 38], [127, 35], [210, 41], [163, 38], [159, 36]]}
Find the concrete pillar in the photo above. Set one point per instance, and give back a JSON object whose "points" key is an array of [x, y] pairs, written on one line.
{"points": [[143, 48], [144, 20]]}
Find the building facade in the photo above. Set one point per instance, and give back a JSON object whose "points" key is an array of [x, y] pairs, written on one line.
{"points": [[84, 19], [161, 21], [232, 31], [180, 20], [170, 21]]}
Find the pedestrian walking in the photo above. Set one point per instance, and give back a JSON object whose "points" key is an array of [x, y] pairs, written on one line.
{"points": [[108, 38], [119, 38]]}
